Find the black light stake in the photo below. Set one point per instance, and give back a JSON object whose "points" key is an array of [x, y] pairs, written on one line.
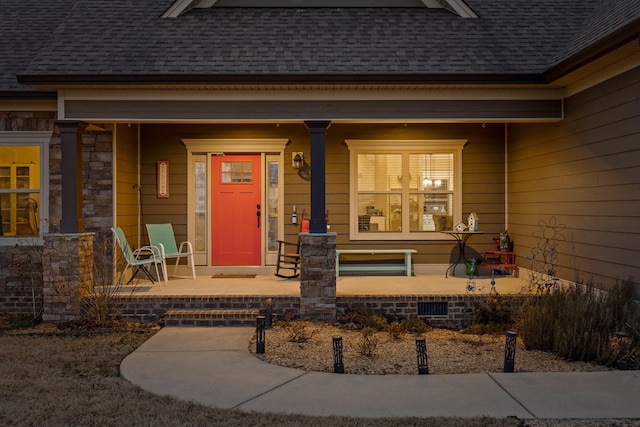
{"points": [[623, 350], [269, 313], [261, 323], [338, 366], [421, 350], [510, 352]]}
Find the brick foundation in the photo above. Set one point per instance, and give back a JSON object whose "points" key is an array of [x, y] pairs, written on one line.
{"points": [[154, 307], [21, 280]]}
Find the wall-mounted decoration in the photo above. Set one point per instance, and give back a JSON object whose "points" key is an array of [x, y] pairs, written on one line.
{"points": [[162, 174]]}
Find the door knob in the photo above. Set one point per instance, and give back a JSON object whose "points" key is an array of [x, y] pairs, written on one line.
{"points": [[258, 213]]}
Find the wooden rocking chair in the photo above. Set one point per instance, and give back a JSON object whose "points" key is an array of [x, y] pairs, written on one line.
{"points": [[289, 254]]}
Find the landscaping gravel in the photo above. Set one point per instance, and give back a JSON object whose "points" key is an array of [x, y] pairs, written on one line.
{"points": [[448, 352]]}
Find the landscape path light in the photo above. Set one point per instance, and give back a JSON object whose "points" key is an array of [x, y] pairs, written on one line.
{"points": [[338, 365], [510, 352], [261, 322], [421, 350]]}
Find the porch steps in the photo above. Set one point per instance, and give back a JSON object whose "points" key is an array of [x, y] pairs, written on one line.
{"points": [[210, 317]]}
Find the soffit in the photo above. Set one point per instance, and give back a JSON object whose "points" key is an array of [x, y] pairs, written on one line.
{"points": [[618, 57]]}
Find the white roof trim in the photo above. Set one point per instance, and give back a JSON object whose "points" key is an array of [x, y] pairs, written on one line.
{"points": [[179, 7], [176, 8], [459, 7], [203, 4]]}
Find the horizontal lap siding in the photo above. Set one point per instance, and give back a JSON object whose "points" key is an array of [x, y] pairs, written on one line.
{"points": [[126, 176], [585, 172], [483, 183], [483, 176]]}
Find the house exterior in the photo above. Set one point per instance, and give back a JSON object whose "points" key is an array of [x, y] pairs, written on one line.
{"points": [[410, 114]]}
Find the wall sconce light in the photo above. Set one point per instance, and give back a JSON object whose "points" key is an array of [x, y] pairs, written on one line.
{"points": [[297, 160]]}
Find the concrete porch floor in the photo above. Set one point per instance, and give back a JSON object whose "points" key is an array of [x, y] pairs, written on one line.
{"points": [[265, 283]]}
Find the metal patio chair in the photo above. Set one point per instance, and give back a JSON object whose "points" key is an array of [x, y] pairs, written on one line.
{"points": [[162, 236], [140, 258]]}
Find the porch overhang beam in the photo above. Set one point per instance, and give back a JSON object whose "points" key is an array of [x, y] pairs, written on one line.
{"points": [[440, 110]]}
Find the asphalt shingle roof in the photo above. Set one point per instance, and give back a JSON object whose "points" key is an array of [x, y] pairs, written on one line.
{"points": [[25, 25], [124, 37]]}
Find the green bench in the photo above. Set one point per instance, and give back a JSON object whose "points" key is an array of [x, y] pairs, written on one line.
{"points": [[370, 268]]}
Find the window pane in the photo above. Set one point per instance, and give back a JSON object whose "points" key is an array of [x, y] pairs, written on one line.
{"points": [[431, 171], [379, 172], [247, 172], [379, 212], [236, 172], [19, 203], [433, 175], [272, 206], [5, 177], [432, 212], [20, 214], [200, 219]]}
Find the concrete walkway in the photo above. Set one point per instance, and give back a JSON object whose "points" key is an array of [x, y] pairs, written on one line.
{"points": [[213, 366]]}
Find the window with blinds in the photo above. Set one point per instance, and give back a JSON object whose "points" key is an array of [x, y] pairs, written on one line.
{"points": [[404, 189]]}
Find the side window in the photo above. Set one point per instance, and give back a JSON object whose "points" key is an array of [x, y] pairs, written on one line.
{"points": [[23, 200], [404, 189]]}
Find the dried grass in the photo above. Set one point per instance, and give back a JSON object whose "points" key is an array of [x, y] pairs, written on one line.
{"points": [[55, 377]]}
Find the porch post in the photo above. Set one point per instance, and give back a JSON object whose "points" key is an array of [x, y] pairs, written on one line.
{"points": [[318, 248], [71, 171], [317, 133]]}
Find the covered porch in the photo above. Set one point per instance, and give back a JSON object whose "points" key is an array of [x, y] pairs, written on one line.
{"points": [[232, 299], [230, 281]]}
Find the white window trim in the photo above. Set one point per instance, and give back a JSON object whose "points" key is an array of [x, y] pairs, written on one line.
{"points": [[41, 139], [390, 146]]}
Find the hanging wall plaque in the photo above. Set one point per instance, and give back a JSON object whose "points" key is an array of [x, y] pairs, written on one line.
{"points": [[162, 171]]}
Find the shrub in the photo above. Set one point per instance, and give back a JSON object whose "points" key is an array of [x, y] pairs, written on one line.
{"points": [[362, 317], [97, 305], [368, 343], [297, 331], [579, 322], [494, 312], [414, 325], [396, 330]]}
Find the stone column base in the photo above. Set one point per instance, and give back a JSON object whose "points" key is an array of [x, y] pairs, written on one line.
{"points": [[318, 276], [67, 264]]}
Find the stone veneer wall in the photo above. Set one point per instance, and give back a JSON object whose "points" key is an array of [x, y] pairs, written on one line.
{"points": [[318, 276], [18, 293], [21, 266], [97, 183], [67, 274]]}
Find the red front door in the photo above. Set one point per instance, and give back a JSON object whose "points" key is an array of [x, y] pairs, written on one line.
{"points": [[235, 210]]}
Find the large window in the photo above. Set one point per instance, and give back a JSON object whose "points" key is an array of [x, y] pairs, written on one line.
{"points": [[404, 189], [23, 206]]}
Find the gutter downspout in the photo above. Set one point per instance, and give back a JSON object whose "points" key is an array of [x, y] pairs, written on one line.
{"points": [[506, 176]]}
